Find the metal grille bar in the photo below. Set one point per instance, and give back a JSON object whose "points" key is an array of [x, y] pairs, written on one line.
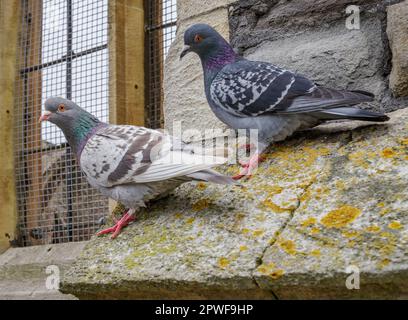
{"points": [[160, 33]]}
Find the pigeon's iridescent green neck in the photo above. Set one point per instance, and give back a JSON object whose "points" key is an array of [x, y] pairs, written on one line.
{"points": [[78, 131]]}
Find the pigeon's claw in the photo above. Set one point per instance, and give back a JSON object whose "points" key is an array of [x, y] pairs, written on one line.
{"points": [[248, 168], [127, 218]]}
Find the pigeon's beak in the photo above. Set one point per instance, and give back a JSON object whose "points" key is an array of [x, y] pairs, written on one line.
{"points": [[186, 50], [44, 116]]}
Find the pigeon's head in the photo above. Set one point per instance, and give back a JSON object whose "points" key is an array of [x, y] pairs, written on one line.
{"points": [[61, 111], [201, 39]]}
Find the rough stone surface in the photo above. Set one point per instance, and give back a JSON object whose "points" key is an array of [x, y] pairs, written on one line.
{"points": [[23, 270], [397, 31], [323, 200]]}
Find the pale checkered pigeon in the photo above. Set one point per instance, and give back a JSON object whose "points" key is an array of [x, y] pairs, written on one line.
{"points": [[130, 164], [258, 95]]}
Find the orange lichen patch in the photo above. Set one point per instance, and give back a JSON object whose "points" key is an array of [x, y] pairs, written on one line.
{"points": [[223, 262], [275, 208], [201, 204], [315, 253], [404, 141], [201, 186], [373, 229], [340, 217], [243, 248], [308, 222], [258, 233], [288, 246], [395, 225], [190, 220], [388, 153]]}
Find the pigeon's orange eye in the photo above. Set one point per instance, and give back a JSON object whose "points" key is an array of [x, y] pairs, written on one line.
{"points": [[198, 38], [61, 108]]}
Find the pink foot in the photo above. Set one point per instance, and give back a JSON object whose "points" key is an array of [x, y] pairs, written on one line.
{"points": [[127, 218], [249, 167]]}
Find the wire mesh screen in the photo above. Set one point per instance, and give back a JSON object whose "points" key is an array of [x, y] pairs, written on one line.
{"points": [[63, 53], [161, 31]]}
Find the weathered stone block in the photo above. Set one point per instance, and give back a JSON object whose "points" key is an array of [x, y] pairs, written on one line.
{"points": [[397, 31]]}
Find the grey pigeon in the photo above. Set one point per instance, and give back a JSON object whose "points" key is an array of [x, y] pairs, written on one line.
{"points": [[130, 164], [248, 94]]}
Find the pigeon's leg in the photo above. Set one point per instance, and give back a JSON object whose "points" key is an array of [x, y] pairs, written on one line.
{"points": [[127, 218], [249, 167]]}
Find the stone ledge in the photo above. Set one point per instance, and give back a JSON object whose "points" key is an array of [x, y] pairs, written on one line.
{"points": [[323, 200], [22, 270]]}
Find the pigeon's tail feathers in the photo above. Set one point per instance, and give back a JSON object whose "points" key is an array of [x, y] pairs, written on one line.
{"points": [[322, 98], [352, 114], [210, 175]]}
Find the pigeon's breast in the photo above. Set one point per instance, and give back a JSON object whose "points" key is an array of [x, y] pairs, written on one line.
{"points": [[105, 152]]}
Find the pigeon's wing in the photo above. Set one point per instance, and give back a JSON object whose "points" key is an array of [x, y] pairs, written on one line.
{"points": [[128, 154], [250, 88]]}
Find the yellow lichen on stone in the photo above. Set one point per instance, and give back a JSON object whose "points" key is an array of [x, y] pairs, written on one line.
{"points": [[350, 233], [383, 263], [340, 217], [201, 204], [223, 262], [308, 222], [385, 211], [178, 215], [258, 233], [395, 225], [201, 186], [243, 248], [270, 271], [359, 158], [315, 253], [388, 153], [314, 230], [340, 185], [275, 208], [288, 246], [373, 229], [190, 220]]}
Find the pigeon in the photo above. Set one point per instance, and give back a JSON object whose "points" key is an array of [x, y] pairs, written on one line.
{"points": [[130, 164], [258, 95]]}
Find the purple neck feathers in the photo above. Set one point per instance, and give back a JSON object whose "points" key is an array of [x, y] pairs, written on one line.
{"points": [[225, 55]]}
